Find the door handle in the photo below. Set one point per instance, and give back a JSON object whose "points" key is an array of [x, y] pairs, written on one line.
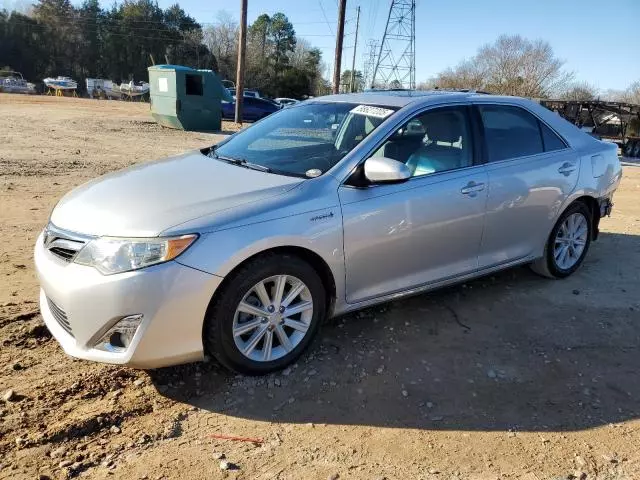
{"points": [[472, 188], [567, 168]]}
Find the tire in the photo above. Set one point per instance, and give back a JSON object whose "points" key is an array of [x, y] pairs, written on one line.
{"points": [[224, 315], [630, 147], [551, 267]]}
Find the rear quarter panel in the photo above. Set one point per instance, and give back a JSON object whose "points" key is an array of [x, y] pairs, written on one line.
{"points": [[600, 172]]}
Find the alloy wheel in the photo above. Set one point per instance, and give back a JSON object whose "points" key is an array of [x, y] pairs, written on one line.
{"points": [[272, 318], [570, 241]]}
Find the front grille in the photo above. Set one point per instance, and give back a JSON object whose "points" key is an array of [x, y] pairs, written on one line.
{"points": [[65, 253], [60, 316], [64, 245]]}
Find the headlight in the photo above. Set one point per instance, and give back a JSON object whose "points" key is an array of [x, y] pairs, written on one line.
{"points": [[115, 255]]}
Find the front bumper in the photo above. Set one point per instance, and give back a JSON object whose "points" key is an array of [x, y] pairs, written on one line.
{"points": [[171, 297]]}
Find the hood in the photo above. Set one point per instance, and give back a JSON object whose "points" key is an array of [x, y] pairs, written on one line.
{"points": [[144, 200]]}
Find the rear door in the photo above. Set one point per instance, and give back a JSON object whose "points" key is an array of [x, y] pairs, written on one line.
{"points": [[531, 172]]}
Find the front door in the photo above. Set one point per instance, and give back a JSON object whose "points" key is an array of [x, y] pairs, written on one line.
{"points": [[400, 236]]}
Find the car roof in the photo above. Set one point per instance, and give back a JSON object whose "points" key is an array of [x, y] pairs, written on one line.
{"points": [[397, 98], [402, 98]]}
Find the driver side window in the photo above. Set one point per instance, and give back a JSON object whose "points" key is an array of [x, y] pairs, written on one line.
{"points": [[432, 142]]}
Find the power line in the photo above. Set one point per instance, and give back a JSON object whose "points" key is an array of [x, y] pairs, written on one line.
{"points": [[160, 23], [112, 28], [324, 14], [106, 27], [128, 35]]}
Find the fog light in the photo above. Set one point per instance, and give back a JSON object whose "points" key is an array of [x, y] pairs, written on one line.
{"points": [[118, 338]]}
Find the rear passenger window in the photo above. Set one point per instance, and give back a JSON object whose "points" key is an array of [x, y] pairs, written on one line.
{"points": [[551, 140], [510, 132]]}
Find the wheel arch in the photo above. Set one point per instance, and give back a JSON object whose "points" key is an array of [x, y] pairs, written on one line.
{"points": [[594, 207], [312, 258]]}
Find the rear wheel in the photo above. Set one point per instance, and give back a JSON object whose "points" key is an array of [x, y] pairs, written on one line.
{"points": [[266, 314], [568, 243]]}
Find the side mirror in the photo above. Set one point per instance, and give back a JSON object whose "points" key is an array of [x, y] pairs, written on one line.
{"points": [[386, 170]]}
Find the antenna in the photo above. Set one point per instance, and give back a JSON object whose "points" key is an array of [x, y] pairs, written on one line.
{"points": [[396, 65]]}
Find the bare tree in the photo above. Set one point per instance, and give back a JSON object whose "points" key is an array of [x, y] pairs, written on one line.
{"points": [[222, 41], [276, 61], [579, 91], [298, 56], [465, 75], [632, 93], [512, 65], [629, 95]]}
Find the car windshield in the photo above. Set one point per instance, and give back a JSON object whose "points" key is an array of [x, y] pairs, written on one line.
{"points": [[304, 140]]}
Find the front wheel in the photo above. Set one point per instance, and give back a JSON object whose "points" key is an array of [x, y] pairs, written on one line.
{"points": [[568, 243], [266, 314]]}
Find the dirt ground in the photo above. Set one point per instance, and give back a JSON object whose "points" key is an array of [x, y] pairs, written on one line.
{"points": [[510, 376]]}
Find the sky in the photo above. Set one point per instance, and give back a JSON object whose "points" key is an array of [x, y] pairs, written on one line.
{"points": [[599, 40]]}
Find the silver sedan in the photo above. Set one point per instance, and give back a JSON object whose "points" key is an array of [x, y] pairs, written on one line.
{"points": [[242, 249]]}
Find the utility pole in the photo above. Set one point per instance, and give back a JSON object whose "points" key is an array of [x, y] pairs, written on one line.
{"points": [[339, 37], [355, 46], [242, 48]]}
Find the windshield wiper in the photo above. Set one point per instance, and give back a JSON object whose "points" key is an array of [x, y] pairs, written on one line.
{"points": [[242, 162]]}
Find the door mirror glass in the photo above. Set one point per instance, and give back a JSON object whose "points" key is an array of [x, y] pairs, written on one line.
{"points": [[386, 170]]}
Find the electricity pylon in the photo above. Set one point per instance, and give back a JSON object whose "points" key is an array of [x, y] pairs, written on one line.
{"points": [[369, 62], [396, 63]]}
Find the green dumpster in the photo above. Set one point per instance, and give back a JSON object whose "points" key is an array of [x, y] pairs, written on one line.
{"points": [[186, 98]]}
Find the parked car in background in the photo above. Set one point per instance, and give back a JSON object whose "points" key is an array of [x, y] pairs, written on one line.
{"points": [[241, 250], [285, 101], [252, 108], [246, 93]]}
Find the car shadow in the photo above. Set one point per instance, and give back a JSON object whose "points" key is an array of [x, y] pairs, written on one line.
{"points": [[508, 351]]}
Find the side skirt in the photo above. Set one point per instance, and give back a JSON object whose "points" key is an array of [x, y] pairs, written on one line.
{"points": [[349, 307]]}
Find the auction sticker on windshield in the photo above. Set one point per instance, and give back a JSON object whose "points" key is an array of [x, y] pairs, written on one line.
{"points": [[370, 111]]}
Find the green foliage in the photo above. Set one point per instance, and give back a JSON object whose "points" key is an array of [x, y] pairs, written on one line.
{"points": [[293, 84], [119, 43], [277, 63], [345, 81], [283, 37], [58, 38]]}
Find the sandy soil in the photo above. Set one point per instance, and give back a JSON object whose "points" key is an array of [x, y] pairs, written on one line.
{"points": [[510, 376]]}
